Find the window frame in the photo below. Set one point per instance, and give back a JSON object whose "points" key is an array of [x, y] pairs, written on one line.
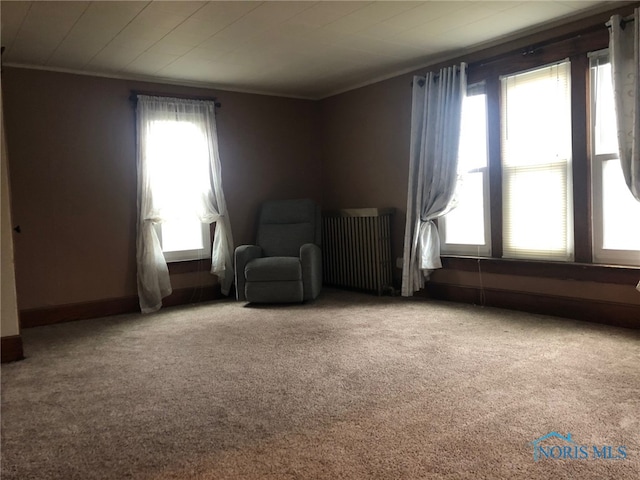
{"points": [[480, 250], [601, 255], [510, 173]]}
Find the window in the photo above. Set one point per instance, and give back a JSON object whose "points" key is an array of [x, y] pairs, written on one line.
{"points": [[536, 164], [616, 239], [546, 117], [465, 229], [178, 162], [179, 193]]}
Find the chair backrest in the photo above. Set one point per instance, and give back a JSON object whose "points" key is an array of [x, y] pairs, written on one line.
{"points": [[285, 225]]}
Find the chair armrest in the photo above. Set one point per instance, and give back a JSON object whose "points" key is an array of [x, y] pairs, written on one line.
{"points": [[243, 255], [311, 261]]}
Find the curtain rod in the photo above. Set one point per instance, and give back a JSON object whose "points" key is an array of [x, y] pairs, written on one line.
{"points": [[422, 81], [134, 97], [623, 22], [539, 46]]}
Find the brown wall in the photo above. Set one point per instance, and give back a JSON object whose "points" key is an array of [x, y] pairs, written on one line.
{"points": [[366, 150], [71, 142]]}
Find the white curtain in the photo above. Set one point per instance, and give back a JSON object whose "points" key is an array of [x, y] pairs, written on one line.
{"points": [[177, 147], [435, 133], [624, 49]]}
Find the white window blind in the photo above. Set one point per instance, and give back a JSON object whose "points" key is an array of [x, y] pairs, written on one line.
{"points": [[536, 164], [616, 214]]}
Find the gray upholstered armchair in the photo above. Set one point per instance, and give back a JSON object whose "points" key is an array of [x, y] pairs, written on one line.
{"points": [[285, 265]]}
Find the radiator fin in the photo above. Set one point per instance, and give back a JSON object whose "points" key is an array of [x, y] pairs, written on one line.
{"points": [[357, 249]]}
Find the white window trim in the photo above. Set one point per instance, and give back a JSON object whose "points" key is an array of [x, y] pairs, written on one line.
{"points": [[188, 255], [603, 256], [483, 250], [470, 249]]}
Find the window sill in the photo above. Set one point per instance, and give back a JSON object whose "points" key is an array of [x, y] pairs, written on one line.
{"points": [[585, 272]]}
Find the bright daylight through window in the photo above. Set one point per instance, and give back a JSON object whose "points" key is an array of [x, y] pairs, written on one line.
{"points": [[465, 229], [178, 159], [616, 236], [536, 164]]}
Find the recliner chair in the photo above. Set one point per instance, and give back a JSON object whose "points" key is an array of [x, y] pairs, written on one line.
{"points": [[285, 265]]}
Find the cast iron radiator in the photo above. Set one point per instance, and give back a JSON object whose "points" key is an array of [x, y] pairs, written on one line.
{"points": [[356, 249]]}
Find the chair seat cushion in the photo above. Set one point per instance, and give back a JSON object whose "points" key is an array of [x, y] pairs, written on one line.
{"points": [[273, 269]]}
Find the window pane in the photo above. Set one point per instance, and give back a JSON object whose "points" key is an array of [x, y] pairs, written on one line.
{"points": [[463, 229], [605, 136], [177, 156], [536, 109], [473, 134], [178, 161], [616, 214], [534, 224], [465, 223], [620, 209], [182, 234]]}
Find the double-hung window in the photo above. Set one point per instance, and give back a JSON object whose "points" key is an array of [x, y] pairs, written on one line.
{"points": [[537, 206], [616, 214], [179, 194], [465, 229], [178, 161]]}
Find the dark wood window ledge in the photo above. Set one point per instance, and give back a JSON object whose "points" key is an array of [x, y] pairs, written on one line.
{"points": [[586, 272], [189, 266]]}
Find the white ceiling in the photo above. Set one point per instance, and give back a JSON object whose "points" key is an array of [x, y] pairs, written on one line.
{"points": [[303, 49]]}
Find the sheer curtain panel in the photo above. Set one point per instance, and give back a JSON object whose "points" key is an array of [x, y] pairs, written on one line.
{"points": [[179, 177], [435, 133], [624, 49]]}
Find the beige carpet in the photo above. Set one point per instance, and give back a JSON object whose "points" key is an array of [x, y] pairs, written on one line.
{"points": [[351, 386]]}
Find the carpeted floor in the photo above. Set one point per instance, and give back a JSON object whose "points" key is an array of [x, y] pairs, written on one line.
{"points": [[351, 386]]}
